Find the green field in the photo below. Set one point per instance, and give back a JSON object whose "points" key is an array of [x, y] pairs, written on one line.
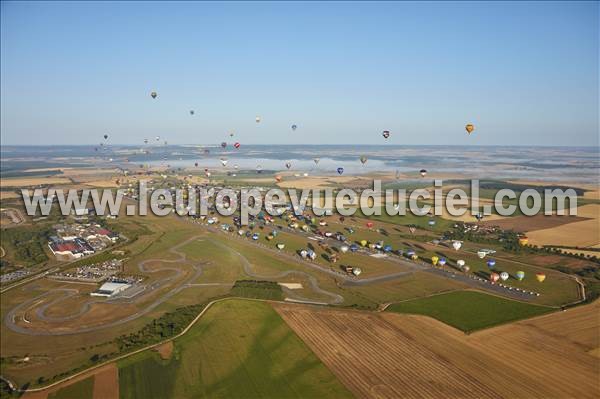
{"points": [[238, 349], [80, 390], [469, 310]]}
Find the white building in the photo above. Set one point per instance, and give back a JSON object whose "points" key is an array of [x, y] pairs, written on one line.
{"points": [[110, 289]]}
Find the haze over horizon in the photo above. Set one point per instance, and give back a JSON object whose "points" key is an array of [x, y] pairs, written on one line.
{"points": [[522, 73]]}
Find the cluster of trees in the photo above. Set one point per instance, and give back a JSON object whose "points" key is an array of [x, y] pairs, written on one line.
{"points": [[257, 289], [28, 245], [168, 325]]}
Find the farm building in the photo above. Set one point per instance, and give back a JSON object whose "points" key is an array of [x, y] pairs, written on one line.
{"points": [[110, 289]]}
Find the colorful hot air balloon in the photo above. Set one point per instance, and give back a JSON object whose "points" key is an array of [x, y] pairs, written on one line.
{"points": [[369, 224], [363, 243], [423, 172], [153, 94], [540, 277], [278, 178], [494, 277], [491, 263], [434, 260], [504, 276], [469, 128], [340, 170], [237, 145], [386, 134], [363, 159], [456, 245], [442, 261], [520, 275], [523, 240]]}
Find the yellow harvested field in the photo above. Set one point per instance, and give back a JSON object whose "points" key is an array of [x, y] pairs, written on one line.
{"points": [[32, 181], [583, 234], [9, 195], [389, 355]]}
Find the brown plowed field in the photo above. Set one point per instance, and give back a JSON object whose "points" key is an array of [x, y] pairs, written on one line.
{"points": [[386, 355], [106, 382]]}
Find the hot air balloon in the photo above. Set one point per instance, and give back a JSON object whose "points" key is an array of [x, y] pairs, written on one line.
{"points": [[224, 162], [410, 253], [316, 160], [369, 224], [294, 127], [258, 119], [157, 138], [258, 168], [363, 243], [442, 261], [481, 254], [237, 145], [288, 164], [145, 141], [356, 271], [270, 237], [460, 263], [278, 178], [153, 94], [235, 166], [340, 170], [520, 275], [494, 277], [540, 277], [431, 222], [191, 112], [469, 128], [466, 269], [523, 240], [456, 245], [196, 164], [434, 260], [223, 144], [363, 159], [387, 248], [386, 134], [280, 246], [105, 136], [423, 172], [504, 276], [344, 248], [491, 263], [412, 228]]}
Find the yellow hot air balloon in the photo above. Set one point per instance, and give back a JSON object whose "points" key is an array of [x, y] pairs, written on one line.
{"points": [[434, 260], [469, 128], [363, 243], [540, 277], [415, 257]]}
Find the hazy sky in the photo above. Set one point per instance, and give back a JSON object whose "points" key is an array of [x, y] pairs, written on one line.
{"points": [[523, 73]]}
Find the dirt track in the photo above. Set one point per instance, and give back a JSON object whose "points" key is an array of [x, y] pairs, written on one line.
{"points": [[391, 355]]}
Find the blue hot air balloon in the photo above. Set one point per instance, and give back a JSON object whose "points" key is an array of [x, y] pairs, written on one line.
{"points": [[340, 170], [387, 248], [410, 252], [353, 247], [491, 263], [442, 261]]}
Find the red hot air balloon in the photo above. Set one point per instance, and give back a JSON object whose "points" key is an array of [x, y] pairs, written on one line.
{"points": [[494, 277], [369, 224], [237, 145]]}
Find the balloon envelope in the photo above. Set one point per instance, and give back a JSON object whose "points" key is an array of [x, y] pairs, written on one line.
{"points": [[340, 170], [504, 276], [469, 128], [456, 245], [491, 263], [520, 275], [540, 277]]}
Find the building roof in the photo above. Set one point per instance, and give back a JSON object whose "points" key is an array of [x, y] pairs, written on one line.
{"points": [[110, 286]]}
